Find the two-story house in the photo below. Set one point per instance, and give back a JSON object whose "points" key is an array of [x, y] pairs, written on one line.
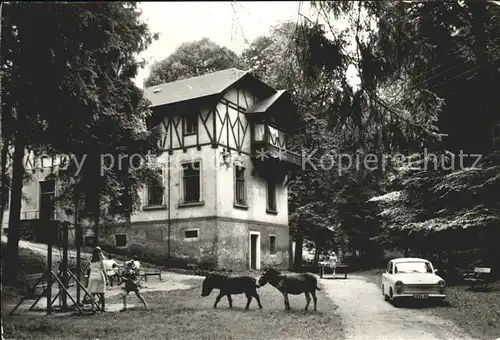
{"points": [[225, 168]]}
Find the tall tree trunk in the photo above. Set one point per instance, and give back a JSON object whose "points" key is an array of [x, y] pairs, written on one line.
{"points": [[4, 182], [12, 254], [316, 255], [4, 192], [299, 243]]}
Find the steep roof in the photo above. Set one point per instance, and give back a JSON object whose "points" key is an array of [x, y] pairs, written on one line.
{"points": [[265, 104], [192, 88]]}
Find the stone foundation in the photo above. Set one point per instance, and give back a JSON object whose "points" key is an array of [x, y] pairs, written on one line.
{"points": [[234, 244], [221, 243]]}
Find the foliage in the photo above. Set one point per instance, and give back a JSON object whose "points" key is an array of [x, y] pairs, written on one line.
{"points": [[411, 58], [192, 59], [434, 201], [451, 217], [365, 111], [82, 99]]}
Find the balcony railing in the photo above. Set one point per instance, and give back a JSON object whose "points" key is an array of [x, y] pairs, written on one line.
{"points": [[266, 151], [29, 215]]}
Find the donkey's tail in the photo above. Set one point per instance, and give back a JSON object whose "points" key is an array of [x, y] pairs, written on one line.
{"points": [[317, 288]]}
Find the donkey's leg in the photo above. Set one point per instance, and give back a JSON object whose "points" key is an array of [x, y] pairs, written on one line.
{"points": [[217, 299], [230, 300], [308, 299], [313, 293], [249, 299], [287, 302], [256, 296]]}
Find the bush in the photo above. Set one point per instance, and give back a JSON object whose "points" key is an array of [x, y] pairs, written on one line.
{"points": [[30, 262]]}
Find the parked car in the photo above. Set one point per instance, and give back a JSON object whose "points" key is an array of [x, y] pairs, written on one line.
{"points": [[412, 278]]}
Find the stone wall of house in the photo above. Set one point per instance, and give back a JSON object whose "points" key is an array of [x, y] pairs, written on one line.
{"points": [[149, 241], [221, 243], [234, 244]]}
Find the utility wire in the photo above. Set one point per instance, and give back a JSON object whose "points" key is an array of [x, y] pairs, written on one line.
{"points": [[440, 73], [289, 126]]}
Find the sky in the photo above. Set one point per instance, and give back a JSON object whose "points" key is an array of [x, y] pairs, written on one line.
{"points": [[179, 22]]}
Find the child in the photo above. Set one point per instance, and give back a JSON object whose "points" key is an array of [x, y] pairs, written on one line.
{"points": [[130, 286], [111, 269]]}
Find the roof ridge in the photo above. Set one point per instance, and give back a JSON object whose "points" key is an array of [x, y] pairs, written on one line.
{"points": [[198, 77]]}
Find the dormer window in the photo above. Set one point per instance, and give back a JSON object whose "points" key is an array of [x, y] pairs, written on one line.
{"points": [[259, 133], [191, 124]]}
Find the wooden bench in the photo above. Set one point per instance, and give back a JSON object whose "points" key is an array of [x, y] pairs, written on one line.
{"points": [[340, 269], [480, 276], [149, 271]]}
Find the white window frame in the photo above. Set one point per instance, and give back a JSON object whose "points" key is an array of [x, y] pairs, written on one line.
{"points": [[275, 244], [268, 207], [259, 133], [181, 176], [192, 238], [146, 192], [126, 240], [245, 201], [39, 197], [185, 121]]}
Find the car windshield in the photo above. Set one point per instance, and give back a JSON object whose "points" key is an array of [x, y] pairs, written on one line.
{"points": [[413, 267]]}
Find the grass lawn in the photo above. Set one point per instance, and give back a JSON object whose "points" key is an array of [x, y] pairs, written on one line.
{"points": [[184, 314], [476, 312]]}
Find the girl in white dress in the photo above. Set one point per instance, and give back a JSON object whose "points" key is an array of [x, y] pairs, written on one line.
{"points": [[97, 277], [334, 262]]}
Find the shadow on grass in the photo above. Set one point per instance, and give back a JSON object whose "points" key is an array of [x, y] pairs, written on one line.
{"points": [[188, 316]]}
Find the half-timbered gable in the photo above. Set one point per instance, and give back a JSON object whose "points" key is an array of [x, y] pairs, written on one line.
{"points": [[220, 122]]}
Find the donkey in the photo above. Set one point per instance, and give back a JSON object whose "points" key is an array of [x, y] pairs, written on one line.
{"points": [[294, 284], [229, 285]]}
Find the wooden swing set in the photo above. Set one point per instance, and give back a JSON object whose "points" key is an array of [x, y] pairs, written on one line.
{"points": [[62, 277]]}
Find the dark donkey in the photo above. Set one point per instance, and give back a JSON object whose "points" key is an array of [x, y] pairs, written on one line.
{"points": [[294, 284], [229, 285]]}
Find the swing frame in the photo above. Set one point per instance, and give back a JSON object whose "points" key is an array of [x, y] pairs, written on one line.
{"points": [[62, 277]]}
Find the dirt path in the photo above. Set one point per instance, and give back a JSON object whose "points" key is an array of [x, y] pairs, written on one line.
{"points": [[366, 315], [42, 249]]}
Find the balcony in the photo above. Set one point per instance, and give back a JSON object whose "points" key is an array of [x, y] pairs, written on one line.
{"points": [[266, 152]]}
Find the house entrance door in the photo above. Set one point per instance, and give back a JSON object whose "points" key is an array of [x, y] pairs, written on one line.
{"points": [[254, 250]]}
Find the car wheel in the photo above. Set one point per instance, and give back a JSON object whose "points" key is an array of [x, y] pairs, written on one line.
{"points": [[386, 298], [394, 301]]}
